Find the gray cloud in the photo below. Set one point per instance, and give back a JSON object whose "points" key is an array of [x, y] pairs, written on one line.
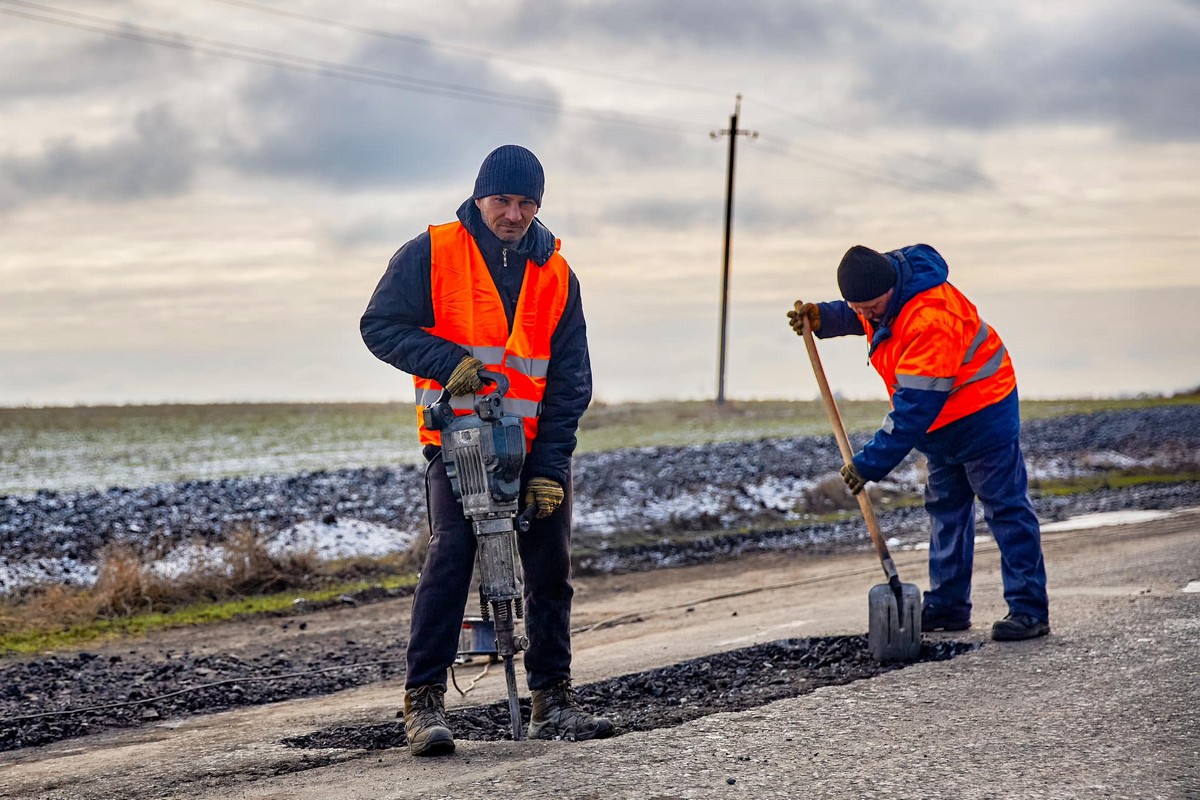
{"points": [[708, 24], [665, 213], [352, 135], [1136, 68], [598, 146], [937, 171], [47, 70], [156, 160], [670, 213], [377, 231]]}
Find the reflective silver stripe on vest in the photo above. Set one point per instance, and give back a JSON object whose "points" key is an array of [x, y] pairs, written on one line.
{"points": [[980, 338], [924, 382], [488, 355], [990, 368], [466, 402], [427, 397], [533, 367], [522, 408]]}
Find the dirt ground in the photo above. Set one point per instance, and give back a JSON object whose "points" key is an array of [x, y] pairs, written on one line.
{"points": [[1107, 706]]}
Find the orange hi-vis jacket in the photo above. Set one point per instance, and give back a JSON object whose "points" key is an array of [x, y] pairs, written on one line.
{"points": [[468, 311], [939, 343]]}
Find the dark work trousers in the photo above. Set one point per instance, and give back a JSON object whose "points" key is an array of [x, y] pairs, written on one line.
{"points": [[445, 582], [999, 480]]}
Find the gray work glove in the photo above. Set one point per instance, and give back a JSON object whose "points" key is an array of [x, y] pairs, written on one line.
{"points": [[802, 310], [544, 493], [854, 481], [465, 377]]}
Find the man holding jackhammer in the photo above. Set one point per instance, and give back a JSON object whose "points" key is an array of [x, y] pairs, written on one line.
{"points": [[490, 291], [954, 398]]}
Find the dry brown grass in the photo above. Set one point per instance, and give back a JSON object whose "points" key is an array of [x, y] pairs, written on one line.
{"points": [[126, 585]]}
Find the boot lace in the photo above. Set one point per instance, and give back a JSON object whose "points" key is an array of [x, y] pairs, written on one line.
{"points": [[428, 705]]}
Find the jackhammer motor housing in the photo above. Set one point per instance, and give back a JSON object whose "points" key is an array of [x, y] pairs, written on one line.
{"points": [[484, 452]]}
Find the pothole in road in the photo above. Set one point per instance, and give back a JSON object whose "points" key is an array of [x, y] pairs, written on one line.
{"points": [[735, 680]]}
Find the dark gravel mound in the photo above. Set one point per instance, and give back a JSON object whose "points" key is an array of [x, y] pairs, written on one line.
{"points": [[735, 680], [125, 691], [908, 525], [654, 492], [1137, 433]]}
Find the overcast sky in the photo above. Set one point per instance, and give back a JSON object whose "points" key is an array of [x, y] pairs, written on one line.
{"points": [[197, 198]]}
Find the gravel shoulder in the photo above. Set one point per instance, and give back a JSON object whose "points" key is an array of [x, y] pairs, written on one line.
{"points": [[1107, 706]]}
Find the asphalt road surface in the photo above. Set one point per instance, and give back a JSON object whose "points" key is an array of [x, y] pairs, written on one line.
{"points": [[1107, 706]]}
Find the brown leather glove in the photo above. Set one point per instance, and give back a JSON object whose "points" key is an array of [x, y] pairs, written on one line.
{"points": [[546, 494], [802, 310], [465, 377], [854, 481]]}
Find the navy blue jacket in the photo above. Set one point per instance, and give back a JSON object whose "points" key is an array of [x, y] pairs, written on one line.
{"points": [[919, 268], [402, 306]]}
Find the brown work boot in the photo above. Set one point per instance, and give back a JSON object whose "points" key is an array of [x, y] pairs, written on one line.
{"points": [[557, 715], [425, 721]]}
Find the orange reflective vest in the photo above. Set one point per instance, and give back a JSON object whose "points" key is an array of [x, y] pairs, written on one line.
{"points": [[940, 344], [468, 311]]}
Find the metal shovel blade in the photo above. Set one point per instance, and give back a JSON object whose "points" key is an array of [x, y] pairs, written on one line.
{"points": [[894, 632]]}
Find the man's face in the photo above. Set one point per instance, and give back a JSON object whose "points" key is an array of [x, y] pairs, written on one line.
{"points": [[873, 309], [507, 215]]}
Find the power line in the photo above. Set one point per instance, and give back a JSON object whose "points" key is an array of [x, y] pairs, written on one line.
{"points": [[490, 55], [349, 72], [320, 67], [831, 162], [968, 172], [835, 163]]}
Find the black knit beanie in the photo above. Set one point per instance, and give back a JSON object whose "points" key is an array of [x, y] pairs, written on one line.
{"points": [[511, 169], [864, 274]]}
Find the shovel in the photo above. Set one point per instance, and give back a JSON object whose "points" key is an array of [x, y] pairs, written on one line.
{"points": [[894, 627]]}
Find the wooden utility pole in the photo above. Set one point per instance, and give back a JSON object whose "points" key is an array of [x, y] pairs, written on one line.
{"points": [[732, 132]]}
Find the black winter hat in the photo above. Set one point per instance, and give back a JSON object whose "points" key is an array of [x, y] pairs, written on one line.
{"points": [[511, 169], [864, 274]]}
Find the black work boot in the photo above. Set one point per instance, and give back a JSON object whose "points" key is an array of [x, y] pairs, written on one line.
{"points": [[937, 619], [1016, 627], [425, 721], [557, 714]]}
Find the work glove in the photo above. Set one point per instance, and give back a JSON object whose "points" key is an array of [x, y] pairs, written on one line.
{"points": [[854, 481], [544, 493], [465, 377], [802, 310]]}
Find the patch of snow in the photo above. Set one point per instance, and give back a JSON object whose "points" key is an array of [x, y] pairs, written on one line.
{"points": [[68, 571], [980, 539], [345, 538], [190, 559], [1104, 519]]}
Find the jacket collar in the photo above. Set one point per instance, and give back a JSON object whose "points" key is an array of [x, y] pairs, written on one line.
{"points": [[537, 244], [918, 268]]}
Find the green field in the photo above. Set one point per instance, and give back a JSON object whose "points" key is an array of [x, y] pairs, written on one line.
{"points": [[102, 446]]}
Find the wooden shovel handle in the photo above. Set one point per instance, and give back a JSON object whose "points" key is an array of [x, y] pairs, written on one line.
{"points": [[839, 433]]}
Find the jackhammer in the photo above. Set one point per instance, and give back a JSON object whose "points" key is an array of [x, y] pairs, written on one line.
{"points": [[484, 453]]}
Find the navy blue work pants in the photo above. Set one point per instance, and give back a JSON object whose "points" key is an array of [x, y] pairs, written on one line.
{"points": [[998, 478], [445, 581]]}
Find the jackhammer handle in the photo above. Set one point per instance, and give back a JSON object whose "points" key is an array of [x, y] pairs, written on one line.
{"points": [[526, 517], [839, 433], [500, 379]]}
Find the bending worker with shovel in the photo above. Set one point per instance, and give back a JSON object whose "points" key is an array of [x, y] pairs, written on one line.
{"points": [[954, 398]]}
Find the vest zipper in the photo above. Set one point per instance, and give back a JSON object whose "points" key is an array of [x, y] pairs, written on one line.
{"points": [[504, 256]]}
